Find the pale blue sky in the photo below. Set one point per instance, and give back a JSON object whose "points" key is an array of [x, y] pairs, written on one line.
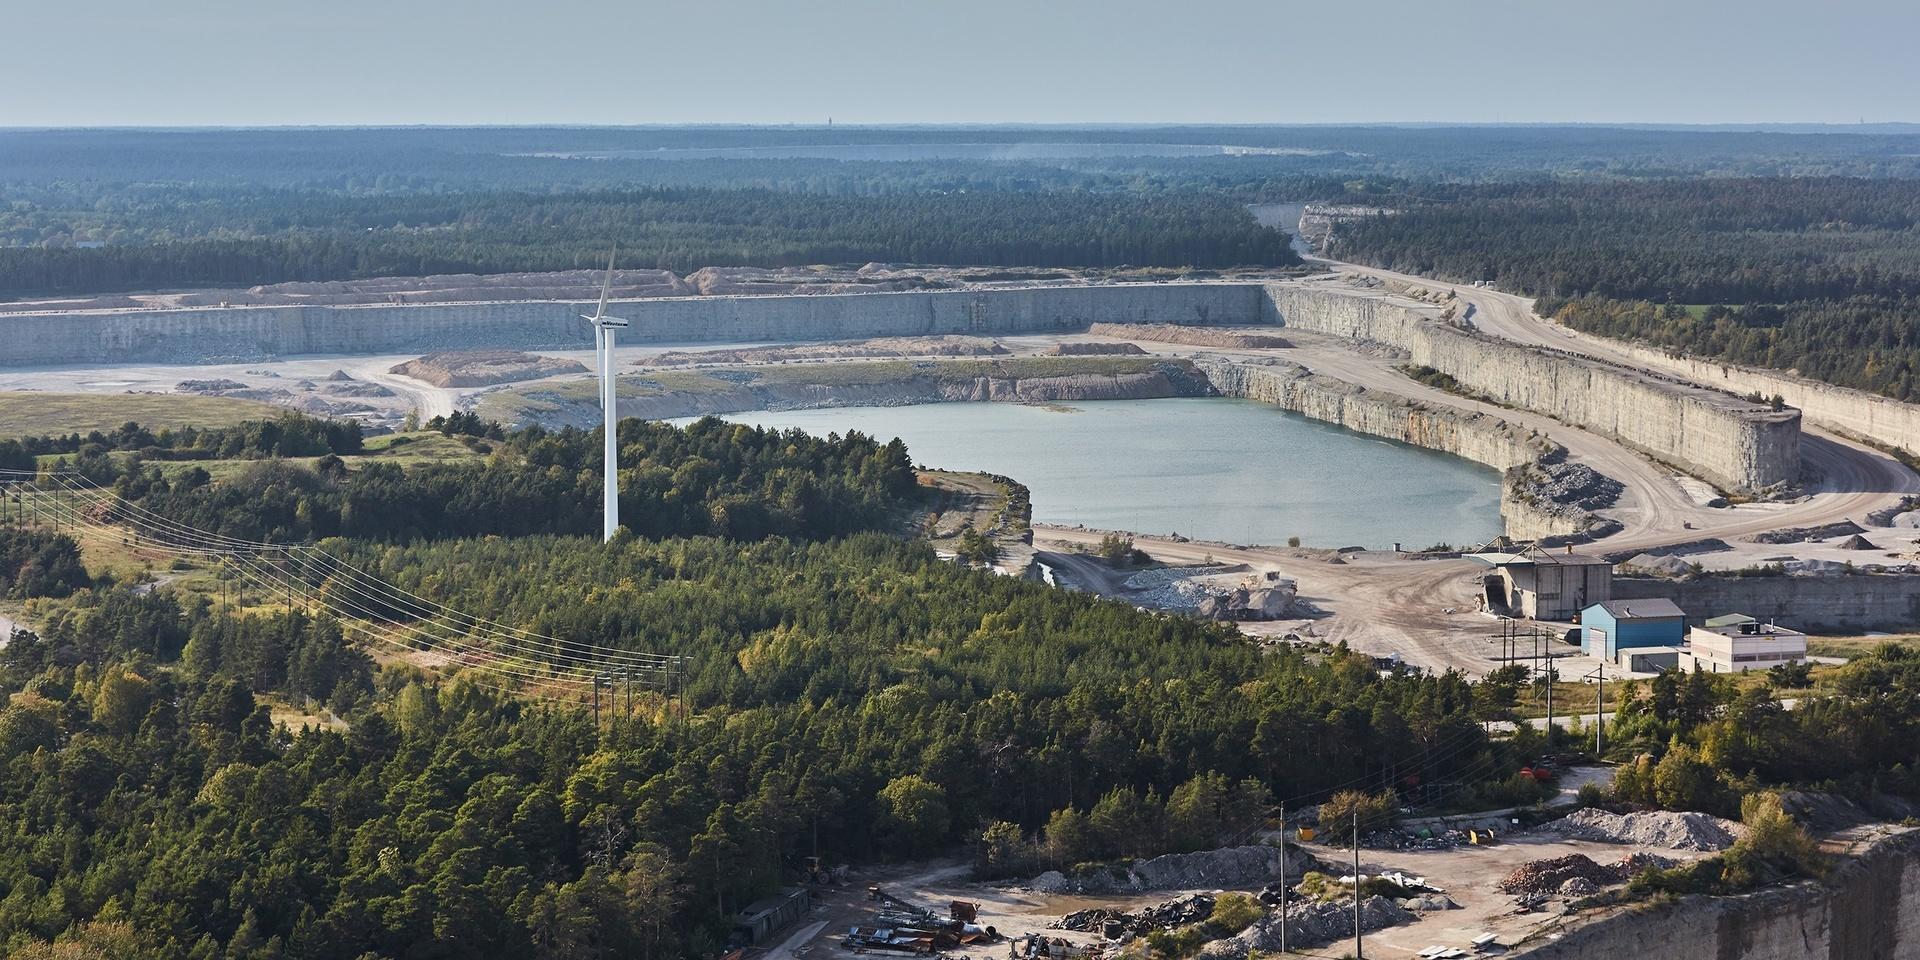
{"points": [[183, 62]]}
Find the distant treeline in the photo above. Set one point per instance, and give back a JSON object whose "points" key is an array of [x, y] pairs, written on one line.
{"points": [[1870, 343], [242, 239], [47, 162], [1820, 275], [287, 435]]}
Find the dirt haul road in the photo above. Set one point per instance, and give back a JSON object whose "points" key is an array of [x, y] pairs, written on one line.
{"points": [[1425, 611]]}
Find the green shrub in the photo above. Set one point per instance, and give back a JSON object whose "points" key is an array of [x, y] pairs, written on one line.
{"points": [[1376, 812]]}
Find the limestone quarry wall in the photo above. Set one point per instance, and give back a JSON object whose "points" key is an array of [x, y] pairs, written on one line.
{"points": [[1740, 446], [1869, 909], [1852, 412], [1475, 436], [1860, 602], [1727, 441], [252, 333]]}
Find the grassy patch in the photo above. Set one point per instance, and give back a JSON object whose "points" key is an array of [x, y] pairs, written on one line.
{"points": [[1851, 647], [294, 716], [28, 413], [530, 403]]}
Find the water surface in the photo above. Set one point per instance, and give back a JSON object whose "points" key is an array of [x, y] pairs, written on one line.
{"points": [[1213, 469]]}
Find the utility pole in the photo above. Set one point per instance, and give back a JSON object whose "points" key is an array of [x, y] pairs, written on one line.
{"points": [[1283, 877], [1599, 721], [1359, 950], [1550, 697]]}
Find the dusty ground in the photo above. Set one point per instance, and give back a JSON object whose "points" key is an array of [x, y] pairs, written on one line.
{"points": [[978, 501], [1468, 874], [481, 368]]}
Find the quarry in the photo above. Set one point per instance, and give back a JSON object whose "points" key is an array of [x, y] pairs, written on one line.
{"points": [[1592, 448], [1660, 471]]}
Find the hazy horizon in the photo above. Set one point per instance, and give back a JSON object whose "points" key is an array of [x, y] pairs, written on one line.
{"points": [[209, 63]]}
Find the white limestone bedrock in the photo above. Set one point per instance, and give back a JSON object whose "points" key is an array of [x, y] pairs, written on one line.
{"points": [[1734, 444], [1479, 437], [1730, 442]]}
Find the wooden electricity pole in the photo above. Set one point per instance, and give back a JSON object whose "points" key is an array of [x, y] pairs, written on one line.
{"points": [[1359, 950], [1283, 877], [1599, 721]]}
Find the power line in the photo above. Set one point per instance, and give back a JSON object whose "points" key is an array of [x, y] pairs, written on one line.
{"points": [[484, 645]]}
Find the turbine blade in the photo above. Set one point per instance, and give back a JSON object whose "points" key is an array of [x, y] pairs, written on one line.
{"points": [[606, 286]]}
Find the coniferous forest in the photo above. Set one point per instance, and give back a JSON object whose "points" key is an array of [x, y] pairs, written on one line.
{"points": [[201, 772], [846, 689], [195, 765], [1819, 275]]}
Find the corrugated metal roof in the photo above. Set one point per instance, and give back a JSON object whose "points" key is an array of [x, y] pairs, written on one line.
{"points": [[1651, 608], [1538, 557]]}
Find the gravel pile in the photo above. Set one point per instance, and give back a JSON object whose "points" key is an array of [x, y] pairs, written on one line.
{"points": [[1549, 876], [1634, 864], [1228, 867], [1663, 566], [1123, 925], [1660, 828], [1178, 588], [1307, 924], [211, 387], [1579, 485], [1802, 534]]}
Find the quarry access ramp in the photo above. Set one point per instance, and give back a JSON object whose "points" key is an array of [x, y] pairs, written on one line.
{"points": [[1736, 445]]}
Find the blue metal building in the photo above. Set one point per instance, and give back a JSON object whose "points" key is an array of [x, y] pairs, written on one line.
{"points": [[1607, 627]]}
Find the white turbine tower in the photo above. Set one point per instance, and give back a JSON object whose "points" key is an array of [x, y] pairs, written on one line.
{"points": [[603, 334]]}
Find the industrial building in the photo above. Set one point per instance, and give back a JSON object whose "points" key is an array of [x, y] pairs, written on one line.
{"points": [[1606, 629], [1738, 643], [1541, 584], [764, 918]]}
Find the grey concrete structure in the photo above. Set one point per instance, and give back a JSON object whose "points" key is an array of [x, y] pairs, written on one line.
{"points": [[1546, 584]]}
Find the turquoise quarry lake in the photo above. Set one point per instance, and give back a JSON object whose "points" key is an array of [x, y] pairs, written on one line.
{"points": [[1213, 469]]}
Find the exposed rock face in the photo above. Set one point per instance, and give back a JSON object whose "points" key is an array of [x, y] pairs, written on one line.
{"points": [[1835, 601], [876, 347], [1735, 444], [842, 385], [1728, 441], [1529, 503], [161, 334], [1867, 908]]}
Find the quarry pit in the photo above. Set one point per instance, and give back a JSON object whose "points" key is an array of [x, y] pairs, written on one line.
{"points": [[1691, 463]]}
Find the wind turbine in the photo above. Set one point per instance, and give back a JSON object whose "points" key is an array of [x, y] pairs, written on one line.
{"points": [[603, 334]]}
